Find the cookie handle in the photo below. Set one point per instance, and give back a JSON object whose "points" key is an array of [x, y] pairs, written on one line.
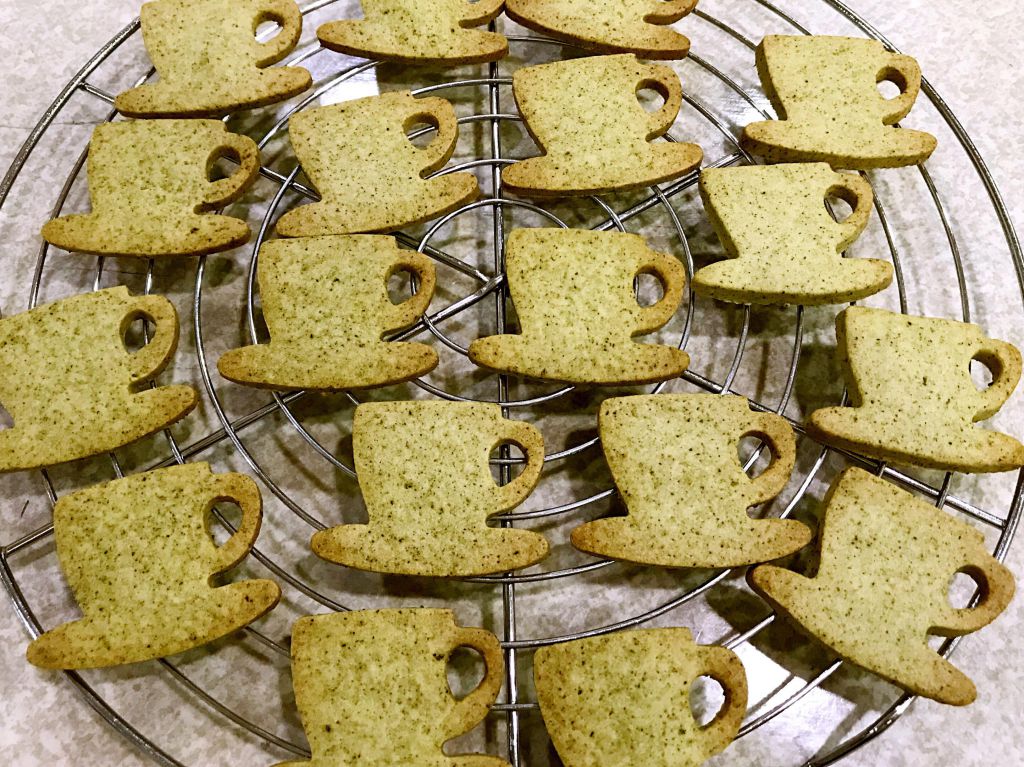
{"points": [[778, 436], [996, 586], [905, 73], [665, 82], [1004, 360], [240, 489], [672, 276], [725, 667], [225, 190], [857, 193], [532, 444], [151, 359], [287, 14], [406, 313], [473, 708], [441, 114]]}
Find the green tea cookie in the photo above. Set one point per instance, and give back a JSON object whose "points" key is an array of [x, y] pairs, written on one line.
{"points": [[72, 388], [783, 246], [675, 463], [578, 313], [370, 176], [887, 559], [419, 32], [140, 560], [625, 26], [624, 698], [325, 301], [825, 91], [209, 61], [424, 470], [151, 192], [912, 399], [593, 133]]}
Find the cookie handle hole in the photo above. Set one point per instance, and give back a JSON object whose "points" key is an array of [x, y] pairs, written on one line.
{"points": [[984, 370], [962, 587], [137, 334], [651, 95], [421, 132], [402, 285], [515, 460], [649, 288], [839, 204], [231, 513], [465, 671], [707, 698], [754, 456]]}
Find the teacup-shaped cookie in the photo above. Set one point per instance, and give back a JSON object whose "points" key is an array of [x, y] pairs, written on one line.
{"points": [[149, 183], [140, 559], [370, 176], [912, 399], [209, 61], [887, 559], [419, 32], [424, 470], [73, 389], [326, 304], [356, 672], [685, 489], [625, 26], [783, 246], [594, 134], [825, 91], [573, 293], [624, 698]]}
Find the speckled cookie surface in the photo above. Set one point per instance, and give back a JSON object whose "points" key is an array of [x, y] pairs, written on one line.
{"points": [[73, 389], [624, 698], [626, 26], [356, 674], [825, 92], [674, 460], [150, 190], [370, 176], [887, 559], [425, 476], [912, 398], [326, 305], [594, 134], [140, 559], [419, 32], [209, 61], [783, 246], [578, 314]]}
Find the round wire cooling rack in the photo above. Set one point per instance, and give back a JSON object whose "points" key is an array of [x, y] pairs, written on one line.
{"points": [[806, 706]]}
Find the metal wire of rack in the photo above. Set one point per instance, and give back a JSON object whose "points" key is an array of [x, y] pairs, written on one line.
{"points": [[489, 286]]}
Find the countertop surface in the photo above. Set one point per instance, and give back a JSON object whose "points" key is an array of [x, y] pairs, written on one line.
{"points": [[971, 55]]}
